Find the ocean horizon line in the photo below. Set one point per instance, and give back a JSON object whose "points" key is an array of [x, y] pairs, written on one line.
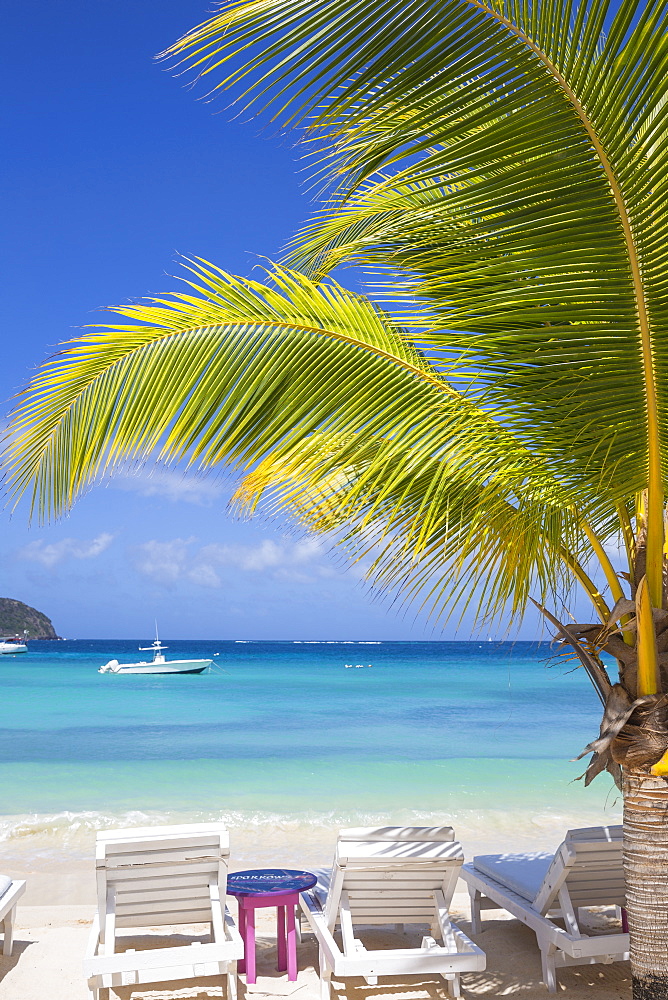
{"points": [[360, 642]]}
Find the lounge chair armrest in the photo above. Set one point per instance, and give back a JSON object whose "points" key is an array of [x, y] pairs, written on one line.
{"points": [[9, 898], [314, 914], [217, 922], [224, 927], [158, 958], [93, 942], [232, 932], [109, 946], [465, 945], [599, 944], [310, 904]]}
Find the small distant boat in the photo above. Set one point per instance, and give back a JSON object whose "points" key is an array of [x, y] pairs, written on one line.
{"points": [[12, 645], [158, 665]]}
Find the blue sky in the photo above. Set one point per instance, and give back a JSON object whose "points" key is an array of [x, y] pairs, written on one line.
{"points": [[112, 168]]}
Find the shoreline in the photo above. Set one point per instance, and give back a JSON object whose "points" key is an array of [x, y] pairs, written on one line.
{"points": [[56, 854]]}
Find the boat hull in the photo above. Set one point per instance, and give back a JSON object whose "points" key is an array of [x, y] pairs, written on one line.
{"points": [[170, 667], [13, 647]]}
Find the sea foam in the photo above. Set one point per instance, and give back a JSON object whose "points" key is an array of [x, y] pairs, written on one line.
{"points": [[265, 838]]}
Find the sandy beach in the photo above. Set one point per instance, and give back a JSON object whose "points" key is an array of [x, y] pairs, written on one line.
{"points": [[51, 935]]}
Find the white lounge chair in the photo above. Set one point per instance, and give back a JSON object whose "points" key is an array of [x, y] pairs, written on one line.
{"points": [[541, 889], [161, 876], [10, 890], [391, 875]]}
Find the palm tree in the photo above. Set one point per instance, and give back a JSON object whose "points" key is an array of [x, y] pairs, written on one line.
{"points": [[499, 171]]}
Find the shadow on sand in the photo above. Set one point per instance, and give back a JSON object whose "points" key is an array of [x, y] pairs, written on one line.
{"points": [[513, 969]]}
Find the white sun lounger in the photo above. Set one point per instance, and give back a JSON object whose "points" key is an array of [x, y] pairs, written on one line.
{"points": [[542, 889], [162, 876], [391, 875], [10, 890]]}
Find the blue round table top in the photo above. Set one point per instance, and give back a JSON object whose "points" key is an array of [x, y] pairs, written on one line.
{"points": [[269, 882]]}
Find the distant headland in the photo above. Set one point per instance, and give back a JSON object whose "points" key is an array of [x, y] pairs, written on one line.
{"points": [[17, 618]]}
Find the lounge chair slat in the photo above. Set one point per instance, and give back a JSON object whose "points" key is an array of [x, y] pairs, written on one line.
{"points": [[401, 906], [151, 904], [367, 917], [152, 834], [170, 917], [377, 893], [124, 859], [208, 843], [152, 870], [417, 853], [396, 880], [161, 882], [124, 899], [396, 834], [598, 836]]}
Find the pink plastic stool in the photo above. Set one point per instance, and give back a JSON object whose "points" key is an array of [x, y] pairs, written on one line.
{"points": [[279, 887]]}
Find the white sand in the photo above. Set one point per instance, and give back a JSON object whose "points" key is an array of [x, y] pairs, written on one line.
{"points": [[51, 939]]}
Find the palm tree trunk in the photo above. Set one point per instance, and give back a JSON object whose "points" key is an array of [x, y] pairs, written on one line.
{"points": [[646, 870]]}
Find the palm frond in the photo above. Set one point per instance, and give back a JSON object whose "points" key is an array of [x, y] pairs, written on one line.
{"points": [[426, 525], [540, 127], [231, 371]]}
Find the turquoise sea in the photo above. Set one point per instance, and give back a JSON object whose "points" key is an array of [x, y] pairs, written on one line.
{"points": [[286, 745]]}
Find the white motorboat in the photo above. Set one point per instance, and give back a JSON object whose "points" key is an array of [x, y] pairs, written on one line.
{"points": [[158, 665], [10, 645]]}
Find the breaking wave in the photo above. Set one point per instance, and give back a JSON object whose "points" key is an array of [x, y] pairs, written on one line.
{"points": [[47, 841]]}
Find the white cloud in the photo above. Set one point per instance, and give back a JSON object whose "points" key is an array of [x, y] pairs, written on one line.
{"points": [[246, 557], [292, 576], [308, 549], [205, 576], [170, 483], [164, 562], [49, 554], [170, 561], [267, 555]]}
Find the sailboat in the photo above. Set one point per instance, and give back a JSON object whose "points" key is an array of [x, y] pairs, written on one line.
{"points": [[158, 665]]}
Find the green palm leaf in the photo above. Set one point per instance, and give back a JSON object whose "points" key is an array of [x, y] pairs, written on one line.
{"points": [[234, 372], [426, 524], [544, 139], [265, 377]]}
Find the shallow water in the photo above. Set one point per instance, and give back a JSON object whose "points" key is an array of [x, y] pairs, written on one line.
{"points": [[286, 745]]}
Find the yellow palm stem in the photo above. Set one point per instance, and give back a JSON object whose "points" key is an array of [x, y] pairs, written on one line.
{"points": [[606, 565], [610, 573], [592, 591], [655, 538], [641, 509], [648, 660], [650, 515], [628, 536]]}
